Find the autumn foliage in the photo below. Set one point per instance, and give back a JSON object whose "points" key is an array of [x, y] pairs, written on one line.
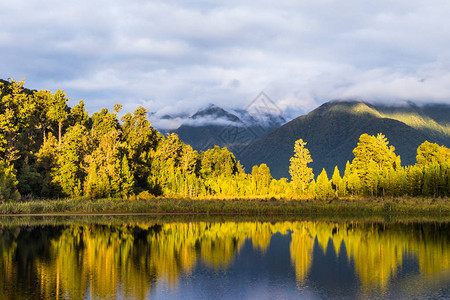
{"points": [[49, 150]]}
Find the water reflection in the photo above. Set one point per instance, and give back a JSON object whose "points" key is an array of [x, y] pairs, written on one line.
{"points": [[139, 261]]}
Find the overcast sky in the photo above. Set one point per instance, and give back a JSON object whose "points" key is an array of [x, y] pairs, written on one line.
{"points": [[177, 56]]}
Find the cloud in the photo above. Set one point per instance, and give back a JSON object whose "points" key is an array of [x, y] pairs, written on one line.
{"points": [[176, 57]]}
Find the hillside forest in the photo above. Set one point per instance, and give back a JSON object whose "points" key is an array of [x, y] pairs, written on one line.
{"points": [[51, 150]]}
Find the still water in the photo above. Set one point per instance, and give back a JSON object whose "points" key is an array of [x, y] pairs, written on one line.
{"points": [[226, 260]]}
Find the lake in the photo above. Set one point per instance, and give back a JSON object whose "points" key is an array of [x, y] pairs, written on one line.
{"points": [[151, 259]]}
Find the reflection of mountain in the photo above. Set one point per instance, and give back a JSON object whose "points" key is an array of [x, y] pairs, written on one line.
{"points": [[332, 131], [233, 129], [132, 261]]}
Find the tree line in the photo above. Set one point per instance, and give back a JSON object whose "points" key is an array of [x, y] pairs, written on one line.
{"points": [[51, 150]]}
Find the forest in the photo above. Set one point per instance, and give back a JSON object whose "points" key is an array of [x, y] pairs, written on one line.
{"points": [[51, 150]]}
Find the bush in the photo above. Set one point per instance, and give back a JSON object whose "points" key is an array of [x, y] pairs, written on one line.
{"points": [[145, 195], [8, 183]]}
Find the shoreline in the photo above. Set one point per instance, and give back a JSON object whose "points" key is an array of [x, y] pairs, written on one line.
{"points": [[231, 207]]}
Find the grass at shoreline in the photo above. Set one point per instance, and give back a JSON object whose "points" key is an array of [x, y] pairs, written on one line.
{"points": [[378, 206]]}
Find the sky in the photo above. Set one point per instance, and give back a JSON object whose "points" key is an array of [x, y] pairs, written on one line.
{"points": [[174, 57]]}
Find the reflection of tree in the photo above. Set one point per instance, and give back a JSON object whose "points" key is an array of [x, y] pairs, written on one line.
{"points": [[377, 249], [126, 261], [8, 247], [301, 252], [377, 255]]}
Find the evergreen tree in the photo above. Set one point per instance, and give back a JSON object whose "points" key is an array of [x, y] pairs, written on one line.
{"points": [[8, 182], [47, 159], [127, 178], [189, 163], [105, 155], [79, 115], [58, 111], [218, 162], [261, 178], [431, 153], [43, 100], [337, 182], [91, 183], [431, 179], [301, 175], [140, 141], [372, 156], [16, 108], [414, 180], [433, 161], [69, 173], [445, 180], [165, 175], [322, 187]]}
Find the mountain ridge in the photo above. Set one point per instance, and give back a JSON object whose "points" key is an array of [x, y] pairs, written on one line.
{"points": [[234, 129], [332, 131]]}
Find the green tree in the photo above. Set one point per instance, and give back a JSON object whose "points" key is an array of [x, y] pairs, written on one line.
{"points": [[8, 182], [261, 178], [79, 115], [189, 164], [433, 160], [431, 153], [16, 109], [301, 175], [127, 178], [165, 175], [444, 184], [93, 188], [218, 162], [58, 111], [43, 100], [69, 173], [372, 156], [47, 160], [322, 187], [431, 179], [372, 178], [218, 166], [414, 180], [337, 183], [140, 141], [104, 162]]}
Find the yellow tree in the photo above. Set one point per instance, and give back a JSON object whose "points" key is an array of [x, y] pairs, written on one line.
{"points": [[322, 187], [301, 175], [434, 161], [372, 156], [58, 111], [431, 153], [261, 179], [16, 109], [337, 183]]}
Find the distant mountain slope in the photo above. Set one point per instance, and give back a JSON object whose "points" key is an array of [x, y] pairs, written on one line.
{"points": [[433, 120], [439, 112], [234, 129], [333, 129]]}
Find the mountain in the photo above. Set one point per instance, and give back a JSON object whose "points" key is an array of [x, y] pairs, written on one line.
{"points": [[234, 129], [333, 129]]}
